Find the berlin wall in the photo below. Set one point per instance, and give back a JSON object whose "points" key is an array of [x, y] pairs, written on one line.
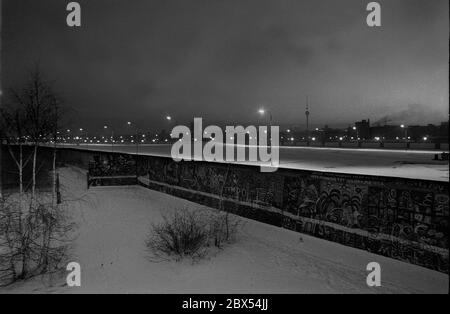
{"points": [[404, 219]]}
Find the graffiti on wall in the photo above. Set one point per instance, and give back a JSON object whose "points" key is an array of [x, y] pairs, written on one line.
{"points": [[405, 213], [103, 165], [245, 185]]}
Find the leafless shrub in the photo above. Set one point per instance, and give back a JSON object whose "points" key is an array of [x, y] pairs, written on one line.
{"points": [[34, 239], [223, 228], [190, 233], [181, 234]]}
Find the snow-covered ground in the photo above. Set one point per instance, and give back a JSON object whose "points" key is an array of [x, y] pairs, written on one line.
{"points": [[114, 222], [412, 164]]}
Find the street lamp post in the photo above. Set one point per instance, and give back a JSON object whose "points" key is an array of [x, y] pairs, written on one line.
{"points": [[68, 136], [170, 119], [355, 128], [136, 135], [85, 135], [112, 137], [406, 135], [263, 112]]}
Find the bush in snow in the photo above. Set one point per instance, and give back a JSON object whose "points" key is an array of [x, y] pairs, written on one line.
{"points": [[191, 233], [33, 238]]}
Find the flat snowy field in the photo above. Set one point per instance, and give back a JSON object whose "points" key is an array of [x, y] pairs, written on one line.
{"points": [[412, 164], [114, 222]]}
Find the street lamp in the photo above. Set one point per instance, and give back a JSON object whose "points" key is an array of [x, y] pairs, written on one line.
{"points": [[171, 120], [262, 112], [136, 135], [112, 137], [405, 134], [85, 135], [357, 133]]}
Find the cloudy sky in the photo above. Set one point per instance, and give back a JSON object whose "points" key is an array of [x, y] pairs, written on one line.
{"points": [[222, 59]]}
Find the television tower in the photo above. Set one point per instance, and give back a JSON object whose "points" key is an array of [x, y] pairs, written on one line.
{"points": [[307, 118]]}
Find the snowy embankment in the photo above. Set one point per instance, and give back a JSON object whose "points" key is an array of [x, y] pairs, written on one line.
{"points": [[114, 222]]}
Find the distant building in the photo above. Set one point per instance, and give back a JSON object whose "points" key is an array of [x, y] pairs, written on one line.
{"points": [[363, 129]]}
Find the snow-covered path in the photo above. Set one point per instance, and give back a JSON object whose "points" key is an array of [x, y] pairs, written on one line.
{"points": [[114, 222]]}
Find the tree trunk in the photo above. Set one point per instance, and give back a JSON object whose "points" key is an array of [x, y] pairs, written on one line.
{"points": [[33, 189], [54, 190], [20, 171]]}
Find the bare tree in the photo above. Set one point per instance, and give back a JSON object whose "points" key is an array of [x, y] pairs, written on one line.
{"points": [[12, 121], [33, 230], [39, 103]]}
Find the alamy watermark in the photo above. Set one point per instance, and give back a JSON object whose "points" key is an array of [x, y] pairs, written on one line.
{"points": [[259, 145]]}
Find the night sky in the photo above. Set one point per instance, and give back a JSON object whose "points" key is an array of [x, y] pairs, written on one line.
{"points": [[221, 60]]}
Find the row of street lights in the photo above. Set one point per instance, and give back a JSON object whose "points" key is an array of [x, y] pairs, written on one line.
{"points": [[261, 111], [106, 127]]}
